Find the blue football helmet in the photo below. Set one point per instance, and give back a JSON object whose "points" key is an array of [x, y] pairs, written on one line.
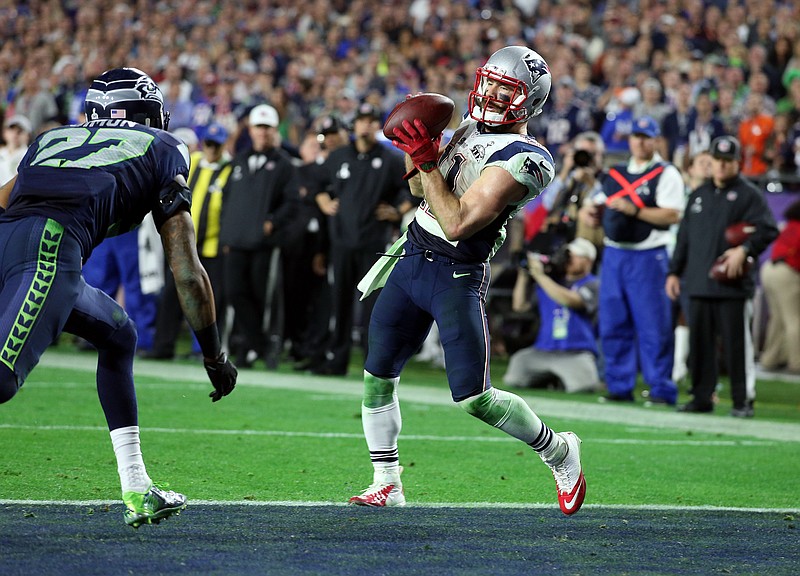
{"points": [[126, 94]]}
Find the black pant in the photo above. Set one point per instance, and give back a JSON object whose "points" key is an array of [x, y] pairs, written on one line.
{"points": [[247, 281], [349, 266], [726, 319], [170, 315]]}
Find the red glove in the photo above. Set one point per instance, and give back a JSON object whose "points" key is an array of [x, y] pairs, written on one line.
{"points": [[415, 141]]}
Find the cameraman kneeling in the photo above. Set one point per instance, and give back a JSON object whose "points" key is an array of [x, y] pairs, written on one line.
{"points": [[564, 355]]}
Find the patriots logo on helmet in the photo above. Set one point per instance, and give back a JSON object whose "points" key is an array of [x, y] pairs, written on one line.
{"points": [[536, 67]]}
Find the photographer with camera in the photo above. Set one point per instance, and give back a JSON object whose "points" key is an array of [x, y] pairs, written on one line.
{"points": [[564, 355], [579, 179]]}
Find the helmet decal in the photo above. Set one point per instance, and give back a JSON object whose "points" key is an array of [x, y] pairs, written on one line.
{"points": [[126, 93]]}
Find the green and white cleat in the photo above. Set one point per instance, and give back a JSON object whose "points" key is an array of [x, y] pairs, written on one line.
{"points": [[152, 506]]}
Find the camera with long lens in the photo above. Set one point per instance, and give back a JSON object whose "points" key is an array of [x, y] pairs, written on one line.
{"points": [[582, 158], [554, 265]]}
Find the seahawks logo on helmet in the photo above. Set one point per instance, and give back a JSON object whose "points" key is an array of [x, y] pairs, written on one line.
{"points": [[148, 89]]}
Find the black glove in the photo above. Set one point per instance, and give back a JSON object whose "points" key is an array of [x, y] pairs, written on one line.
{"points": [[222, 374]]}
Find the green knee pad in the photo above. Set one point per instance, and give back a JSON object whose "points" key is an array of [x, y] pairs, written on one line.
{"points": [[378, 392]]}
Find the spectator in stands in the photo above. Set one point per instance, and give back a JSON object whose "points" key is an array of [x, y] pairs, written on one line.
{"points": [[720, 308], [619, 122], [755, 134], [676, 125], [780, 278], [563, 120], [703, 126], [564, 355], [642, 198], [652, 103], [34, 100], [16, 137]]}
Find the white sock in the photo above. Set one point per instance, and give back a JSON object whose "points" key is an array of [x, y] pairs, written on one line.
{"points": [[130, 465], [381, 429], [511, 414]]}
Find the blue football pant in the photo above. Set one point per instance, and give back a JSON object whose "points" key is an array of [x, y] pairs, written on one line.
{"points": [[636, 321], [418, 291], [43, 294], [114, 263]]}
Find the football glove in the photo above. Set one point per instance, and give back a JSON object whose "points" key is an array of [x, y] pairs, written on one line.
{"points": [[415, 141], [222, 374]]}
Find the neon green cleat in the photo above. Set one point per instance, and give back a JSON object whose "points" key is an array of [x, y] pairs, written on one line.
{"points": [[152, 506]]}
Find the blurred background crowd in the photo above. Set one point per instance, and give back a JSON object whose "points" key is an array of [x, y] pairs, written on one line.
{"points": [[711, 64], [700, 69]]}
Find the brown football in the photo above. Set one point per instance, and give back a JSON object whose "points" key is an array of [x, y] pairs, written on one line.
{"points": [[736, 234], [433, 109], [719, 271]]}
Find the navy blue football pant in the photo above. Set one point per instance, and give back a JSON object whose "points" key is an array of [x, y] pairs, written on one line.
{"points": [[114, 263], [636, 321], [427, 287], [42, 294]]}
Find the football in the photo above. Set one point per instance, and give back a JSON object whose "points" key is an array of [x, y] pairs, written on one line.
{"points": [[434, 110], [719, 270], [736, 234]]}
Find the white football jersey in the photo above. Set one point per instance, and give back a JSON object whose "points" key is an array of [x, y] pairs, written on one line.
{"points": [[469, 152]]}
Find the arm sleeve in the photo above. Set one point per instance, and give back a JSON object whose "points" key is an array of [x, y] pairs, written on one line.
{"points": [[173, 198]]}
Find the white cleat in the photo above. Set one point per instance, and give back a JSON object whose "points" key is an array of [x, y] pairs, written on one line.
{"points": [[570, 483], [385, 490]]}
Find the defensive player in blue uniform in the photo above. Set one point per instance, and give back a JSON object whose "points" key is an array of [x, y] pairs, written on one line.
{"points": [[75, 186], [488, 171]]}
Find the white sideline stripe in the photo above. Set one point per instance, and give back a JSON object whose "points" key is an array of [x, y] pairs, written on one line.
{"points": [[359, 436], [546, 407], [496, 505]]}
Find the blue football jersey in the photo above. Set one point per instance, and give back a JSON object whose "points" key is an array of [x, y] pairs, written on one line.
{"points": [[101, 178]]}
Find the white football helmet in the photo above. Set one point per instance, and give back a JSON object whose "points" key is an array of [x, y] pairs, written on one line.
{"points": [[523, 70]]}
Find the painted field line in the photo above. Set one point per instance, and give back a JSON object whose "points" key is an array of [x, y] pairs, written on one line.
{"points": [[360, 436], [545, 407], [497, 505]]}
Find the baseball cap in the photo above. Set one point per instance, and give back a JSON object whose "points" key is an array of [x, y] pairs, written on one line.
{"points": [[264, 115], [20, 121], [367, 109], [630, 96], [646, 126], [185, 135], [215, 133], [582, 247], [725, 148], [330, 125]]}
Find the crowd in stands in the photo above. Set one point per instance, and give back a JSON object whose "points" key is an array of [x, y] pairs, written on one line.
{"points": [[700, 69]]}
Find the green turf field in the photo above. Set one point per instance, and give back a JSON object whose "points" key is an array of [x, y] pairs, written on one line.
{"points": [[282, 436]]}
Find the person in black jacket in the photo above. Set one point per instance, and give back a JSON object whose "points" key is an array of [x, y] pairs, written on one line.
{"points": [[364, 197], [721, 307], [258, 206]]}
